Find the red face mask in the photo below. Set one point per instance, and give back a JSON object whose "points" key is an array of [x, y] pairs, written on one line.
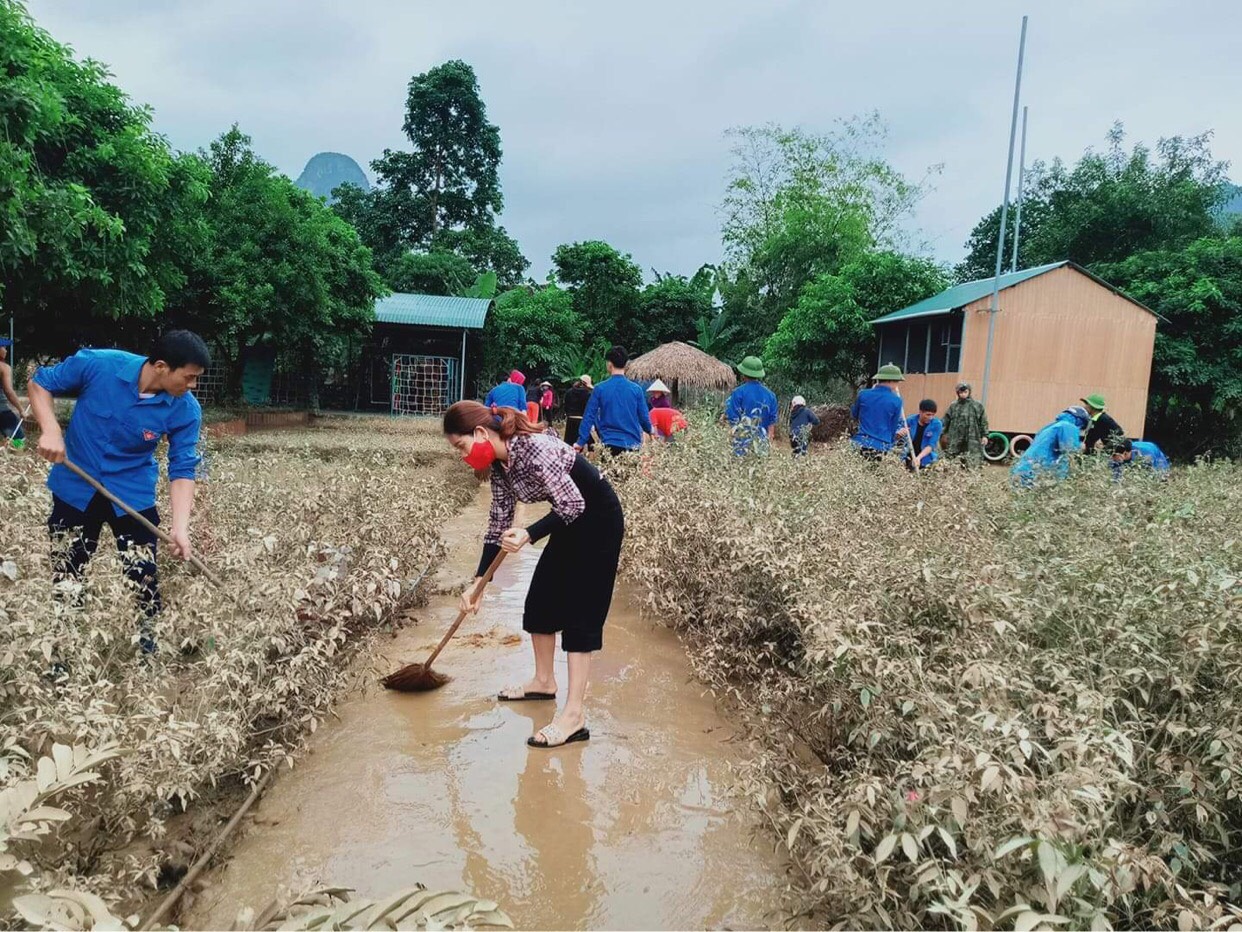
{"points": [[481, 455]]}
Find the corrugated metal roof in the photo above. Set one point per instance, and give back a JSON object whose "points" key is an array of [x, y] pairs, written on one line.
{"points": [[427, 310], [963, 294]]}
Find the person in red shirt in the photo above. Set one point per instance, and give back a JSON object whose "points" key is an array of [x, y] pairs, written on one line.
{"points": [[667, 421]]}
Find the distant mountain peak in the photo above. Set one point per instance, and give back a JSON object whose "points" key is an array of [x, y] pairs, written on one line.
{"points": [[327, 170]]}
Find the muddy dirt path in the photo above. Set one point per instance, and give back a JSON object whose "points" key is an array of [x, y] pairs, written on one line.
{"points": [[631, 830]]}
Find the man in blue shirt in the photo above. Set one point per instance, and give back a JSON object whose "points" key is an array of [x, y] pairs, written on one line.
{"points": [[617, 409], [1142, 453], [125, 404], [509, 394], [878, 413], [751, 409], [924, 429]]}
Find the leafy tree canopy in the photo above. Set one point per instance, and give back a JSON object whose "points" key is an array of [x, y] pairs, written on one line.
{"points": [[438, 273], [604, 284], [1196, 384], [799, 205], [444, 193], [530, 329], [827, 335], [1110, 205], [94, 207], [671, 307], [281, 269]]}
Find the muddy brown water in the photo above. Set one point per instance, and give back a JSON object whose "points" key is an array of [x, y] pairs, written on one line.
{"points": [[633, 830]]}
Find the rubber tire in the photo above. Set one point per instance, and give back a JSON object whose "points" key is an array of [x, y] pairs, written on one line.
{"points": [[1025, 439], [996, 457]]}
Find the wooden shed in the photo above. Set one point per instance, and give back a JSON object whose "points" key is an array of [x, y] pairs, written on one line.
{"points": [[1061, 334], [415, 361]]}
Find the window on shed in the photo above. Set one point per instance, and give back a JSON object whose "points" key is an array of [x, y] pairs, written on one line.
{"points": [[945, 353], [892, 344], [917, 335]]}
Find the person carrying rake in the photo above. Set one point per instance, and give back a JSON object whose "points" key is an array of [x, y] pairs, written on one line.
{"points": [[571, 590]]}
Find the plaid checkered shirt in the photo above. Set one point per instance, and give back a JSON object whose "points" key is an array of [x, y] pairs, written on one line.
{"points": [[537, 471]]}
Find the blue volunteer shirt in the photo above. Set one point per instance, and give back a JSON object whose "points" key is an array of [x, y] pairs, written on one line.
{"points": [[507, 395], [1146, 454], [113, 433], [931, 438], [618, 412], [754, 402], [878, 413]]}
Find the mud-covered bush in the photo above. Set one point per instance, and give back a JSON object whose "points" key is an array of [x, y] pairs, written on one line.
{"points": [[314, 554], [974, 708]]}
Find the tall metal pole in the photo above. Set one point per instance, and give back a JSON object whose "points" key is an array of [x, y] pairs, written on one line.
{"points": [[1004, 219], [1017, 214]]}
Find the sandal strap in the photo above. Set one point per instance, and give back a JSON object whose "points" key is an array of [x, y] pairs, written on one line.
{"points": [[553, 734]]}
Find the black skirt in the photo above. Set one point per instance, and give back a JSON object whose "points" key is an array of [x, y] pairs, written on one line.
{"points": [[571, 590]]}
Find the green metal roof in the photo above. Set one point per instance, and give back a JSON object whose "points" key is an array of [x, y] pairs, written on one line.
{"points": [[427, 310], [963, 294]]}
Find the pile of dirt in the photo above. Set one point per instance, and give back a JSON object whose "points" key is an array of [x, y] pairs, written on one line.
{"points": [[834, 422]]}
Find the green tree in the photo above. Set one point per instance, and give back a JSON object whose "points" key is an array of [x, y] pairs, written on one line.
{"points": [[280, 270], [530, 329], [438, 273], [94, 207], [1110, 205], [670, 308], [827, 335], [604, 285], [444, 194], [1196, 380], [799, 205]]}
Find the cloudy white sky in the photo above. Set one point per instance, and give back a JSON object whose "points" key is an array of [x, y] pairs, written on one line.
{"points": [[612, 115]]}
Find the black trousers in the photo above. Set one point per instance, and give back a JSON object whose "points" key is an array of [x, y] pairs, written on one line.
{"points": [[11, 425], [75, 536]]}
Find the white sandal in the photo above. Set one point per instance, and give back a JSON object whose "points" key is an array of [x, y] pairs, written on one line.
{"points": [[554, 737], [519, 694]]}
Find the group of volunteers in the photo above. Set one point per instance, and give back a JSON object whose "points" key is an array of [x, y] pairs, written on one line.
{"points": [[963, 434], [127, 403]]}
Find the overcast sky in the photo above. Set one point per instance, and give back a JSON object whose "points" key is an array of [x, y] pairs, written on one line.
{"points": [[612, 115]]}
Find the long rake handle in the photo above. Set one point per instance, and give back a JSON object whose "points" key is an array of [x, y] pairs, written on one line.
{"points": [[141, 519], [461, 616]]}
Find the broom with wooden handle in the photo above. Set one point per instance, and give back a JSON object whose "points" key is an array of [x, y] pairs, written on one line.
{"points": [[419, 677]]}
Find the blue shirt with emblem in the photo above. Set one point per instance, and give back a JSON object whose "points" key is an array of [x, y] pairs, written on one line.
{"points": [[113, 433]]}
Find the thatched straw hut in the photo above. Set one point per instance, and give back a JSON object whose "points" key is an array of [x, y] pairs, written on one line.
{"points": [[684, 368]]}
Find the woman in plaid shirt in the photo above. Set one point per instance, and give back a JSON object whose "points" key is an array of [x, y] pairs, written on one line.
{"points": [[572, 586]]}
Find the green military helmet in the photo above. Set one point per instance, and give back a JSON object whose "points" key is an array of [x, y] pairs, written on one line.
{"points": [[889, 373], [752, 367]]}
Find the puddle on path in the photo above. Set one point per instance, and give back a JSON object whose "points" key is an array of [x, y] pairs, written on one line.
{"points": [[632, 830]]}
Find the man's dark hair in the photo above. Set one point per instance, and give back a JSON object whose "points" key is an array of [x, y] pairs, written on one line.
{"points": [[618, 357], [180, 348], [1123, 446], [928, 404]]}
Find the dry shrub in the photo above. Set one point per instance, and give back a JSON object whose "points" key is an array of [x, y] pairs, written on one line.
{"points": [[974, 709], [315, 553]]}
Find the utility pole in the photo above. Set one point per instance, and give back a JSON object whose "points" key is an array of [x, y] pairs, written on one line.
{"points": [[1017, 214], [1004, 219]]}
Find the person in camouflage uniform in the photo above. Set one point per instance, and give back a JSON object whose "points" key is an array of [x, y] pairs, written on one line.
{"points": [[965, 428]]}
